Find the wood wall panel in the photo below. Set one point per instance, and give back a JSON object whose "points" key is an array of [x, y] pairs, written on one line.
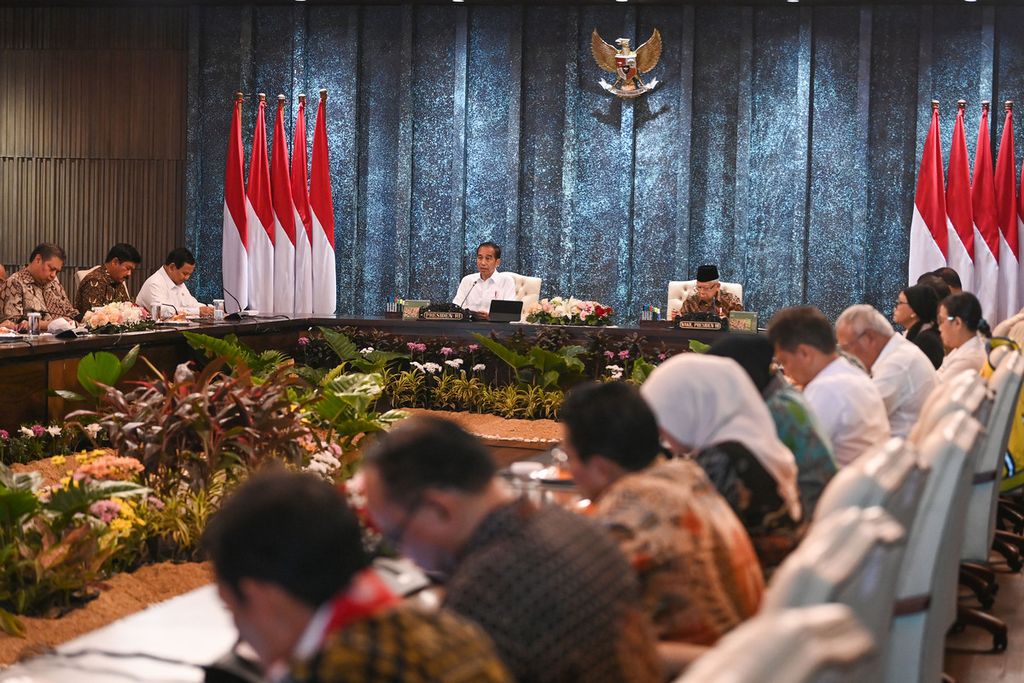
{"points": [[92, 132]]}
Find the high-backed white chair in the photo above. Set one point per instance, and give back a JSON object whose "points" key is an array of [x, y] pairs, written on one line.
{"points": [[889, 475], [967, 391], [527, 290], [800, 645], [678, 290], [851, 556], [926, 592], [1005, 384]]}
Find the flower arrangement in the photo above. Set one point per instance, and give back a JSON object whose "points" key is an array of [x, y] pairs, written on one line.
{"points": [[121, 316], [571, 311]]}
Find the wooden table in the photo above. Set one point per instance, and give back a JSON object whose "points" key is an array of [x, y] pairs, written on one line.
{"points": [[31, 367]]}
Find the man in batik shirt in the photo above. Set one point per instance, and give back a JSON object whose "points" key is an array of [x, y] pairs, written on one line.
{"points": [[709, 297], [35, 288], [105, 284], [698, 572], [550, 587]]}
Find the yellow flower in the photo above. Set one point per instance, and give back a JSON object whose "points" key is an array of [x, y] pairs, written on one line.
{"points": [[65, 482], [121, 527], [58, 460]]}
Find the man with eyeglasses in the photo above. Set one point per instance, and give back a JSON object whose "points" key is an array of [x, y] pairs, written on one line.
{"points": [[551, 588], [709, 297], [899, 370], [842, 396]]}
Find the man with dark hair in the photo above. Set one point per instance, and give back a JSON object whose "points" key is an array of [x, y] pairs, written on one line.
{"points": [[550, 587], [698, 572], [167, 287], [106, 284], [477, 290], [842, 396], [35, 288], [290, 566], [708, 296], [951, 278]]}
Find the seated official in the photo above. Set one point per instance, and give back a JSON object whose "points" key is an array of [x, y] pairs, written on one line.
{"points": [[951, 278], [961, 327], [709, 297], [35, 288], [288, 557], [167, 286], [551, 588], [708, 409], [476, 291], [842, 396], [899, 370], [794, 420], [915, 309], [699, 575], [105, 284]]}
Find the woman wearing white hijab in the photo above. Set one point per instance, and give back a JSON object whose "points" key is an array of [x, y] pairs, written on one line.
{"points": [[708, 409]]}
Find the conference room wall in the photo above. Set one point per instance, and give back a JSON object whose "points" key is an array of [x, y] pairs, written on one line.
{"points": [[92, 139], [781, 142]]}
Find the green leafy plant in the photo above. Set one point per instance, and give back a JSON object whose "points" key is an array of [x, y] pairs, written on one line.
{"points": [[343, 407], [348, 353], [99, 370], [237, 355], [539, 366]]}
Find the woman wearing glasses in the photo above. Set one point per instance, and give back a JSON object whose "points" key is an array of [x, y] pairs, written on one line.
{"points": [[960, 323], [915, 309]]}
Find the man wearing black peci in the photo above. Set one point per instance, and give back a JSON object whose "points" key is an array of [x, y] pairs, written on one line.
{"points": [[709, 297]]}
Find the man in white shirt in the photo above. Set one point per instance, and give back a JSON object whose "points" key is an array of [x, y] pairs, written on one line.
{"points": [[167, 286], [477, 290], [843, 398], [899, 369]]}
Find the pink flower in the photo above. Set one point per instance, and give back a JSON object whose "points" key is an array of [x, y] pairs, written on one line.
{"points": [[303, 341], [609, 354], [38, 430], [473, 347], [105, 510], [4, 434], [624, 354], [447, 350], [662, 356], [155, 503], [417, 347]]}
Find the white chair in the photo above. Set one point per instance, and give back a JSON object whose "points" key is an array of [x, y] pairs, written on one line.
{"points": [[966, 391], [527, 290], [1005, 384], [852, 557], [679, 290], [800, 645], [926, 593], [889, 476]]}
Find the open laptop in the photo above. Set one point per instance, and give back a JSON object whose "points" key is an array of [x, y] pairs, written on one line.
{"points": [[504, 311]]}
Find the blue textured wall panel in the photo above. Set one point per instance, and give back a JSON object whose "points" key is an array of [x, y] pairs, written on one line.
{"points": [[782, 142]]}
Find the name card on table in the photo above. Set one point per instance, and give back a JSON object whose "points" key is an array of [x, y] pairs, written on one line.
{"points": [[448, 316], [700, 325]]}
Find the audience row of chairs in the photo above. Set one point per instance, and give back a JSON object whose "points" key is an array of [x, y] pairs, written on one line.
{"points": [[872, 590]]}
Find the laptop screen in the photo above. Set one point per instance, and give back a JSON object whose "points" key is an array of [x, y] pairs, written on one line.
{"points": [[504, 311]]}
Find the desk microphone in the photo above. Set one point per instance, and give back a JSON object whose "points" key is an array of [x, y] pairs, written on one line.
{"points": [[237, 315], [463, 304]]}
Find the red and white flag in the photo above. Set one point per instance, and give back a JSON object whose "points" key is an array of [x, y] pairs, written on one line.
{"points": [[303, 234], [260, 212], [234, 236], [986, 224], [1006, 211], [960, 254], [285, 219], [325, 279], [929, 229]]}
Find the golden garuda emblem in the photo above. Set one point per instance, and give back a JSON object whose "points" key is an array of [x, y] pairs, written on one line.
{"points": [[627, 64]]}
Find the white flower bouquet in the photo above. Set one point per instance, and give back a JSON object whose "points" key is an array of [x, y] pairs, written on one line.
{"points": [[571, 311], [118, 317]]}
